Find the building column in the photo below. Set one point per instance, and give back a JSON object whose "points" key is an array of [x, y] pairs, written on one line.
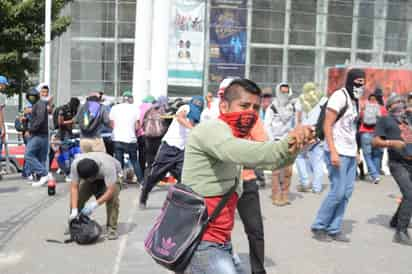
{"points": [[285, 59], [409, 45], [248, 37], [321, 36], [379, 32], [142, 49], [355, 24], [160, 47]]}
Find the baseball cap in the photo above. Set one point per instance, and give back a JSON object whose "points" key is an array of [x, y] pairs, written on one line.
{"points": [[127, 93]]}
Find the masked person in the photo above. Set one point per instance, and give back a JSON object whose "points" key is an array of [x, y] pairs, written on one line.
{"points": [[124, 119], [311, 161], [395, 133], [169, 158], [38, 142], [340, 156], [96, 174], [279, 119], [212, 165]]}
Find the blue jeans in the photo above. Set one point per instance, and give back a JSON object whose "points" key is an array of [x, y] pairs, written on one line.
{"points": [[372, 155], [311, 162], [37, 149], [342, 180], [212, 258], [120, 149]]}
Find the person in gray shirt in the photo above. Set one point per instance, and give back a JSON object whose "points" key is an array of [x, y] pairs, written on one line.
{"points": [[97, 174]]}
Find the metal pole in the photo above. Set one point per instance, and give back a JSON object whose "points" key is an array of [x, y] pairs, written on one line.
{"points": [[47, 42]]}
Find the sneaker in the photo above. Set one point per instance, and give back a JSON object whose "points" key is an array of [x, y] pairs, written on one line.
{"points": [[112, 235], [376, 180], [142, 205], [301, 188], [321, 235], [402, 237], [43, 180], [339, 237], [68, 179]]}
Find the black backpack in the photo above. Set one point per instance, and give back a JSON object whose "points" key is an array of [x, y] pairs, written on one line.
{"points": [[84, 230], [88, 124], [320, 134]]}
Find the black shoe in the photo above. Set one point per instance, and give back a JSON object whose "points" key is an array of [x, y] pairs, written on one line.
{"points": [[394, 224], [321, 235], [402, 237], [339, 238]]}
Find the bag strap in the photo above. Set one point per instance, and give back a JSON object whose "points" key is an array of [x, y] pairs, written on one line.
{"points": [[344, 109], [223, 202]]}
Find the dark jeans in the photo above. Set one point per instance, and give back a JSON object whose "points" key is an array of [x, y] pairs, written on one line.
{"points": [[250, 213], [402, 173], [168, 159], [120, 149], [152, 145], [142, 153], [36, 155]]}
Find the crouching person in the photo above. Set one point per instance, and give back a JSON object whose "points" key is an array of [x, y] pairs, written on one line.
{"points": [[96, 173]]}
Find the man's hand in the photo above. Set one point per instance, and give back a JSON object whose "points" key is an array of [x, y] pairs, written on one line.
{"points": [[73, 214], [89, 208], [334, 158], [396, 144], [299, 137]]}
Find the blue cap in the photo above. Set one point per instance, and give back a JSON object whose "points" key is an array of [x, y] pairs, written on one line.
{"points": [[3, 80]]}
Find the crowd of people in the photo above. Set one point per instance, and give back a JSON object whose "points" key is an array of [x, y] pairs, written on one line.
{"points": [[207, 143]]}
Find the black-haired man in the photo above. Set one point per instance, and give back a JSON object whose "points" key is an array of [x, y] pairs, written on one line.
{"points": [[96, 173], [215, 152]]}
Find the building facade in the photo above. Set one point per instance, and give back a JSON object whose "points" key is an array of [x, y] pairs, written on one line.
{"points": [[267, 41]]}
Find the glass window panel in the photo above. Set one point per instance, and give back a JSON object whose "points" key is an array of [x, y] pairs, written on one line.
{"points": [[127, 12], [265, 56], [364, 57], [302, 28], [92, 29], [365, 42], [126, 30], [266, 75], [92, 71], [339, 40], [268, 26], [269, 4], [394, 59], [339, 24], [93, 11], [92, 51], [396, 36], [304, 5], [339, 7], [336, 58], [125, 85], [80, 88], [301, 68], [366, 24]]}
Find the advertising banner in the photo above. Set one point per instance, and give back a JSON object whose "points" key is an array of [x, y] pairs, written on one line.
{"points": [[389, 80], [228, 20], [186, 43]]}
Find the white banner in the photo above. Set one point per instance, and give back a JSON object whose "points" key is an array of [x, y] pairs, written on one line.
{"points": [[186, 43]]}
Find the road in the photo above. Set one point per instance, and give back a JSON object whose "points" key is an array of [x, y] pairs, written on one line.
{"points": [[32, 224]]}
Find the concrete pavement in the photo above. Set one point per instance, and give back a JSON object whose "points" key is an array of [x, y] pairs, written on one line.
{"points": [[31, 222]]}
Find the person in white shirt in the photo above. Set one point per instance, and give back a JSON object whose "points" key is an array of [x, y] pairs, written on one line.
{"points": [[340, 157], [213, 112], [170, 156], [124, 119]]}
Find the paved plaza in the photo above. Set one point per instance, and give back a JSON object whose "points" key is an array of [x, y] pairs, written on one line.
{"points": [[32, 226]]}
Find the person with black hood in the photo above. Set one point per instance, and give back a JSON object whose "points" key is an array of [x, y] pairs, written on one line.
{"points": [[340, 156], [38, 142], [395, 133], [65, 118]]}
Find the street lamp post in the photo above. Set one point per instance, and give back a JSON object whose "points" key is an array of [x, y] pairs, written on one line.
{"points": [[47, 42]]}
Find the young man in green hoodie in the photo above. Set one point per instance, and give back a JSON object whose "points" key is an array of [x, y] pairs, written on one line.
{"points": [[213, 162]]}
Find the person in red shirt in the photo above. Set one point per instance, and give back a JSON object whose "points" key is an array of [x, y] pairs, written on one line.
{"points": [[370, 113]]}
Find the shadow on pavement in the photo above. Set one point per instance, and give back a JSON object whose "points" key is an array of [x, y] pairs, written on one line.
{"points": [[9, 189], [381, 219], [347, 226], [125, 228]]}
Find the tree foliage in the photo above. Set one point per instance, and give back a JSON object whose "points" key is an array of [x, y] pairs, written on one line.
{"points": [[22, 37]]}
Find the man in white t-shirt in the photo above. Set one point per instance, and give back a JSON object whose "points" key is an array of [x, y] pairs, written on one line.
{"points": [[213, 112], [124, 119], [340, 157], [170, 156]]}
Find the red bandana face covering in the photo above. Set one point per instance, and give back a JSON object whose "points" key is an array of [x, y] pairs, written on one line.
{"points": [[240, 122]]}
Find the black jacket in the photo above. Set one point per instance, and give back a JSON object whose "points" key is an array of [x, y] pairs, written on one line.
{"points": [[39, 123]]}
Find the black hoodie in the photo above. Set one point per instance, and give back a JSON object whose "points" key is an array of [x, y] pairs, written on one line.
{"points": [[39, 125], [352, 75]]}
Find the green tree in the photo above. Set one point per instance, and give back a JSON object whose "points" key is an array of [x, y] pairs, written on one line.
{"points": [[22, 37]]}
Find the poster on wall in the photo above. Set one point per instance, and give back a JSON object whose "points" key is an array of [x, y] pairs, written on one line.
{"points": [[228, 20], [186, 43], [389, 80]]}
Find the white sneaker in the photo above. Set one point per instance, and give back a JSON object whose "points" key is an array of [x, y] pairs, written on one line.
{"points": [[68, 179], [43, 180]]}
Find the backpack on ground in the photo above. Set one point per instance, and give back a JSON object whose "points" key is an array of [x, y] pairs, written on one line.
{"points": [[84, 230], [370, 115], [320, 134], [153, 124]]}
